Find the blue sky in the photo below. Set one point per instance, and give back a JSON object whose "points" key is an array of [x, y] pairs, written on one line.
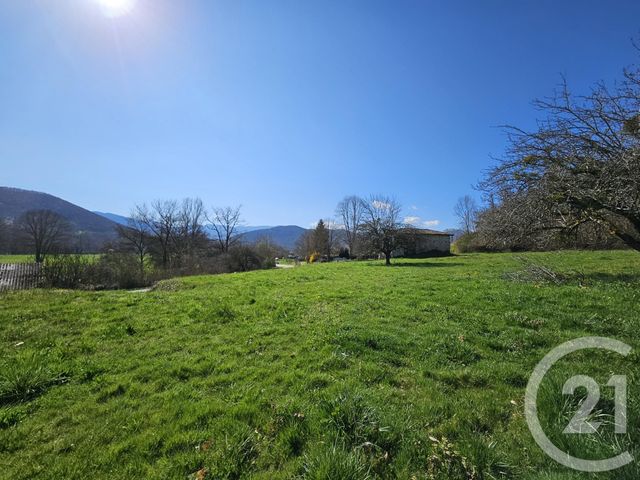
{"points": [[285, 106]]}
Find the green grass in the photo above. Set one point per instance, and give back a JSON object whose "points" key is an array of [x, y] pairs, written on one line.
{"points": [[31, 258], [332, 371], [16, 258]]}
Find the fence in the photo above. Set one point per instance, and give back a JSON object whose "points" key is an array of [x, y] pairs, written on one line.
{"points": [[19, 276]]}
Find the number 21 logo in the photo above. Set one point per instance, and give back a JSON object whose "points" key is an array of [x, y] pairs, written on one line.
{"points": [[581, 423], [583, 420]]}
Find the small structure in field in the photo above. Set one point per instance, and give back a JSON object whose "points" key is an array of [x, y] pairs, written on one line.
{"points": [[19, 276], [423, 242]]}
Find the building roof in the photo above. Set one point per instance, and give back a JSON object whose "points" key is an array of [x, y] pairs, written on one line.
{"points": [[426, 231]]}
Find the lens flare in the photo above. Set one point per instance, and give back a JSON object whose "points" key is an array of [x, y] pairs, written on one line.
{"points": [[116, 8]]}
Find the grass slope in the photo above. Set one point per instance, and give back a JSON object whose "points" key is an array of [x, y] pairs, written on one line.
{"points": [[349, 370]]}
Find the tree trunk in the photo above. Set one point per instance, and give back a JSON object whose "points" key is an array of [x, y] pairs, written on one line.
{"points": [[142, 265], [387, 258]]}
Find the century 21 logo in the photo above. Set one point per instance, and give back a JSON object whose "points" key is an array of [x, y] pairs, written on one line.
{"points": [[580, 423]]}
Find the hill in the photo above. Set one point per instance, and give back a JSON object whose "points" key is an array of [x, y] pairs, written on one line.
{"points": [[412, 371], [286, 235], [251, 228], [114, 217], [92, 229]]}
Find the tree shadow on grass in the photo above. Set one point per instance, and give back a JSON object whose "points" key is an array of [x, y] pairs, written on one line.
{"points": [[603, 277], [417, 264]]}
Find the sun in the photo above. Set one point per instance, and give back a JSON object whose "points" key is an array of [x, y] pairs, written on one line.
{"points": [[116, 8]]}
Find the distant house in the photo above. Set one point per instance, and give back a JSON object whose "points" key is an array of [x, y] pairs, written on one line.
{"points": [[422, 242]]}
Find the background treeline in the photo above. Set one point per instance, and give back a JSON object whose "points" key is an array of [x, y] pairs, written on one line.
{"points": [[171, 238], [369, 227], [164, 239]]}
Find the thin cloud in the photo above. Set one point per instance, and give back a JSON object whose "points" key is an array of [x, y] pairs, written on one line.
{"points": [[412, 220], [419, 222]]}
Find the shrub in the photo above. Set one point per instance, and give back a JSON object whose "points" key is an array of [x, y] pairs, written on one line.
{"points": [[114, 270], [467, 243], [111, 270], [243, 258], [66, 271], [117, 270]]}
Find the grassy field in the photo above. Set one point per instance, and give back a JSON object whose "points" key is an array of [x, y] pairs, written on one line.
{"points": [[31, 258], [16, 258], [341, 371]]}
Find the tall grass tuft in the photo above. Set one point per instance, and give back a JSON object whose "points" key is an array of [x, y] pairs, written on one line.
{"points": [[336, 463], [25, 378], [236, 457]]}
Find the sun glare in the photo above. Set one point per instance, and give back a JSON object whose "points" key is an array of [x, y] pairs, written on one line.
{"points": [[116, 8]]}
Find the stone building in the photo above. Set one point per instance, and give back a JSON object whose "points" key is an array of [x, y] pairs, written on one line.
{"points": [[422, 242]]}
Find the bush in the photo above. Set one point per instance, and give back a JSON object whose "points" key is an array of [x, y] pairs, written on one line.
{"points": [[66, 271], [110, 270], [243, 258], [313, 258], [117, 270], [468, 242]]}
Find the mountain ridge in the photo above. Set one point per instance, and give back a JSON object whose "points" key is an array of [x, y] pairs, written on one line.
{"points": [[284, 235], [114, 217], [98, 227], [91, 230]]}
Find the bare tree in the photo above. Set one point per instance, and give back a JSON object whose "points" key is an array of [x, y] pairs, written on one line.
{"points": [[44, 230], [305, 245], [190, 235], [225, 222], [333, 237], [175, 229], [136, 236], [466, 210], [268, 251], [382, 225], [161, 220], [350, 211], [582, 163]]}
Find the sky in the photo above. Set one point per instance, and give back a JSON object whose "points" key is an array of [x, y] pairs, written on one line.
{"points": [[285, 106]]}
